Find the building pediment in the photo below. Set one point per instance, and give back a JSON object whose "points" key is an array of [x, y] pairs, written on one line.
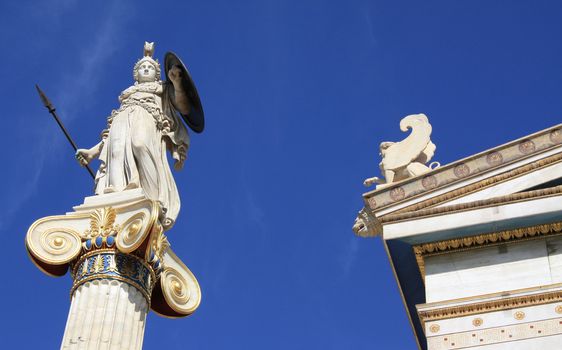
{"points": [[531, 162]]}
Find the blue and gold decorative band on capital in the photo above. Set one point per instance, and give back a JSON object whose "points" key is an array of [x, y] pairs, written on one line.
{"points": [[110, 264]]}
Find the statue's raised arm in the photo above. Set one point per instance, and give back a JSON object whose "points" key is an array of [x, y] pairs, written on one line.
{"points": [[183, 94], [147, 123]]}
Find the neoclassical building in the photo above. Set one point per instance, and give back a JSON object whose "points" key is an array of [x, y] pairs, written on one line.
{"points": [[476, 245]]}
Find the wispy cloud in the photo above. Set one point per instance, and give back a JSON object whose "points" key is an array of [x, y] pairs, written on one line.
{"points": [[51, 11], [43, 17], [17, 195], [79, 86], [75, 87], [254, 211], [370, 27], [349, 254]]}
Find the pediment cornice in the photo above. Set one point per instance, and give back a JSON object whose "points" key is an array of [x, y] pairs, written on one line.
{"points": [[476, 173]]}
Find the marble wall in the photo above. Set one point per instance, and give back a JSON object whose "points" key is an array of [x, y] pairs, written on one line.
{"points": [[494, 269]]}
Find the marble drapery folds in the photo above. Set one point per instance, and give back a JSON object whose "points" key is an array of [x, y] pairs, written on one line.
{"points": [[134, 147]]}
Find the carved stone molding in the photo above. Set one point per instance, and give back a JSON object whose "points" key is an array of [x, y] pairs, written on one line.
{"points": [[483, 240], [475, 308], [511, 198], [483, 184]]}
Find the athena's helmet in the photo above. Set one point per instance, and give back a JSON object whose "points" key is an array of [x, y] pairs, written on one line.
{"points": [[148, 52]]}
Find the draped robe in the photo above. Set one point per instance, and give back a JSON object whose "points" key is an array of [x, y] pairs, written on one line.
{"points": [[134, 147]]}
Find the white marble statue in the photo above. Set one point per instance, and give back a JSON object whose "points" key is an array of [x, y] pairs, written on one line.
{"points": [[407, 158], [133, 149]]}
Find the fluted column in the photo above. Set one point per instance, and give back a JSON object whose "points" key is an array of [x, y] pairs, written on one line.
{"points": [[106, 314], [110, 300]]}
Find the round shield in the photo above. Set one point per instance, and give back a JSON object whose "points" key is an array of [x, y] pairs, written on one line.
{"points": [[195, 119]]}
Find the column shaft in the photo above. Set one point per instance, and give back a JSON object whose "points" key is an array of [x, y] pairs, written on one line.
{"points": [[106, 314]]}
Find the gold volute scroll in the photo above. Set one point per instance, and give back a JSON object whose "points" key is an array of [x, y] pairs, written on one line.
{"points": [[54, 245], [136, 229], [179, 287]]}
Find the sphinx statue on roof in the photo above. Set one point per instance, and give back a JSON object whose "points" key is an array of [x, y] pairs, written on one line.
{"points": [[407, 158]]}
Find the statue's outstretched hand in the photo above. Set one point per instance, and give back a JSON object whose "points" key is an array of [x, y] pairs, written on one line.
{"points": [[179, 155], [84, 156]]}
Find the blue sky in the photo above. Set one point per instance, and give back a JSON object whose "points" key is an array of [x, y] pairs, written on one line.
{"points": [[297, 97]]}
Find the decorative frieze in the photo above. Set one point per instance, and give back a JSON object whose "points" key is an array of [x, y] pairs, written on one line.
{"points": [[479, 307], [110, 264], [496, 335], [483, 240], [510, 198]]}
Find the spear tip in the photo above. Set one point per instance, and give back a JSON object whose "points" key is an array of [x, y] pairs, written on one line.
{"points": [[44, 98]]}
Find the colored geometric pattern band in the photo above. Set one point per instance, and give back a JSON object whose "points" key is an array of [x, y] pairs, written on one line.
{"points": [[110, 264]]}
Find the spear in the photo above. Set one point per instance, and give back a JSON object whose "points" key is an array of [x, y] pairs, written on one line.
{"points": [[51, 109]]}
